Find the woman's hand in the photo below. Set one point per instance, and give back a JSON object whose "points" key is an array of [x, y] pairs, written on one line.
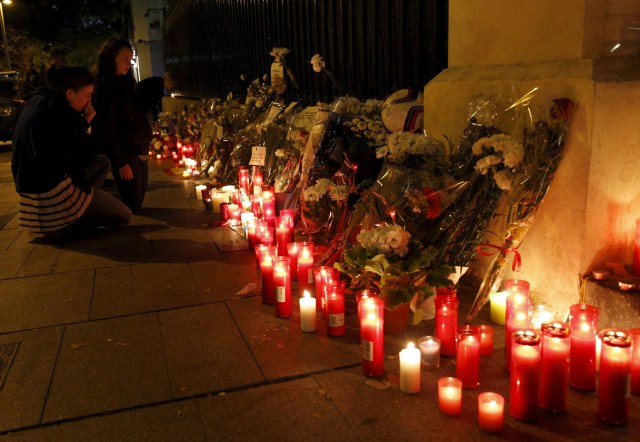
{"points": [[88, 112], [126, 173]]}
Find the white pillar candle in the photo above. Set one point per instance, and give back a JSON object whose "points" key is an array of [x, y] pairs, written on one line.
{"points": [[307, 312], [199, 189], [498, 307], [410, 369], [218, 198]]}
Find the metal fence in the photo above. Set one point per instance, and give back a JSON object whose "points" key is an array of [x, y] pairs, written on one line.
{"points": [[371, 47]]}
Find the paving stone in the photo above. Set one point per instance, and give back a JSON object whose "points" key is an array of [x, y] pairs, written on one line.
{"points": [[227, 240], [108, 365], [221, 276], [181, 243], [282, 349], [40, 261], [143, 288], [42, 301], [7, 237], [23, 240], [178, 421], [26, 383], [11, 262], [8, 206], [290, 411], [205, 351]]}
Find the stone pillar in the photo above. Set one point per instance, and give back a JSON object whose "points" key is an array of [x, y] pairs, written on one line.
{"points": [[588, 51]]}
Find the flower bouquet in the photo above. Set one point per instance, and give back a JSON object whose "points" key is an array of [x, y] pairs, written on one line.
{"points": [[525, 181], [402, 270], [323, 208]]}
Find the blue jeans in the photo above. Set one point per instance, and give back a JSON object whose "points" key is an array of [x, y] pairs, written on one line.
{"points": [[132, 191]]}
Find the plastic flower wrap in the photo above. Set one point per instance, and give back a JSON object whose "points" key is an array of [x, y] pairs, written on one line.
{"points": [[285, 173], [323, 207], [528, 183], [401, 269]]}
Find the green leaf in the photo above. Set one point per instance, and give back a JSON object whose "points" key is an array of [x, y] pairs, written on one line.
{"points": [[378, 264]]}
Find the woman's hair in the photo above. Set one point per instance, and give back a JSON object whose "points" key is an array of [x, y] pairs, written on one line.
{"points": [[71, 77], [106, 64]]}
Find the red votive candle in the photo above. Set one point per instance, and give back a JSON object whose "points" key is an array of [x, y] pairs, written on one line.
{"points": [[265, 233], [265, 258], [525, 358], [468, 356], [450, 396], [365, 294], [251, 233], [322, 273], [634, 333], [490, 412], [554, 367], [447, 323], [268, 206], [257, 177], [335, 308], [224, 211], [306, 278], [582, 361], [486, 339], [243, 179], [256, 205], [372, 336], [635, 267], [282, 283], [292, 252], [282, 235], [518, 317], [615, 369], [290, 215]]}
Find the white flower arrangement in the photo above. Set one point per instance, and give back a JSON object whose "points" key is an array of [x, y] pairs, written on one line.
{"points": [[502, 153], [385, 239], [325, 186], [401, 145], [370, 129]]}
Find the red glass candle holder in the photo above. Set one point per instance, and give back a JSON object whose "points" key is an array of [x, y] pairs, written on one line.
{"points": [[282, 283], [265, 233], [583, 320], [486, 340], [517, 286], [635, 266], [268, 207], [554, 367], [365, 294], [243, 179], [282, 235], [490, 412], [518, 317], [292, 252], [447, 323], [251, 233], [335, 308], [256, 205], [450, 396], [372, 336], [468, 356], [265, 258], [257, 180], [615, 369], [321, 275], [525, 360], [634, 333], [290, 215], [306, 276]]}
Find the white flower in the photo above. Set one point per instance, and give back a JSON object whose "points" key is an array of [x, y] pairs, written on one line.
{"points": [[280, 153], [503, 179], [279, 53], [511, 149], [243, 77], [317, 62], [385, 239], [339, 193], [485, 163]]}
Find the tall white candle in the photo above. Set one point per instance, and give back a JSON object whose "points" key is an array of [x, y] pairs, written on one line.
{"points": [[410, 369], [307, 312], [199, 189]]}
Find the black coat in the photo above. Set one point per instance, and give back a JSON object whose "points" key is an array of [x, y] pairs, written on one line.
{"points": [[49, 142], [120, 126]]}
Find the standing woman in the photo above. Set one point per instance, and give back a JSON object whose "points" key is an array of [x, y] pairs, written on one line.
{"points": [[120, 127]]}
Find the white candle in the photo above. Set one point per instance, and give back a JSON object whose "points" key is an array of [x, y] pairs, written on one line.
{"points": [[410, 369], [541, 314], [199, 190], [218, 198], [307, 312], [430, 351]]}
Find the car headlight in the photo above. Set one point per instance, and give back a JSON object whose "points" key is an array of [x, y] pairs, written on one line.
{"points": [[7, 111]]}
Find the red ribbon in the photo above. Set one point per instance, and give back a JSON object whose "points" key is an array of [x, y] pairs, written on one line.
{"points": [[517, 259]]}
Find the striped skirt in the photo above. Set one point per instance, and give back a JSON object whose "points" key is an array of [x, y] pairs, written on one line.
{"points": [[53, 210]]}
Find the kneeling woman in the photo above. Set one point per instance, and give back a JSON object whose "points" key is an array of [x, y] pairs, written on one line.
{"points": [[48, 171]]}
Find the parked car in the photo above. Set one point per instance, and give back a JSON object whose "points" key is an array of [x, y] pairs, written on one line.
{"points": [[10, 104]]}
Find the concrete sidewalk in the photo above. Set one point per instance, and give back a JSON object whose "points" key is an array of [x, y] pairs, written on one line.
{"points": [[138, 334]]}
